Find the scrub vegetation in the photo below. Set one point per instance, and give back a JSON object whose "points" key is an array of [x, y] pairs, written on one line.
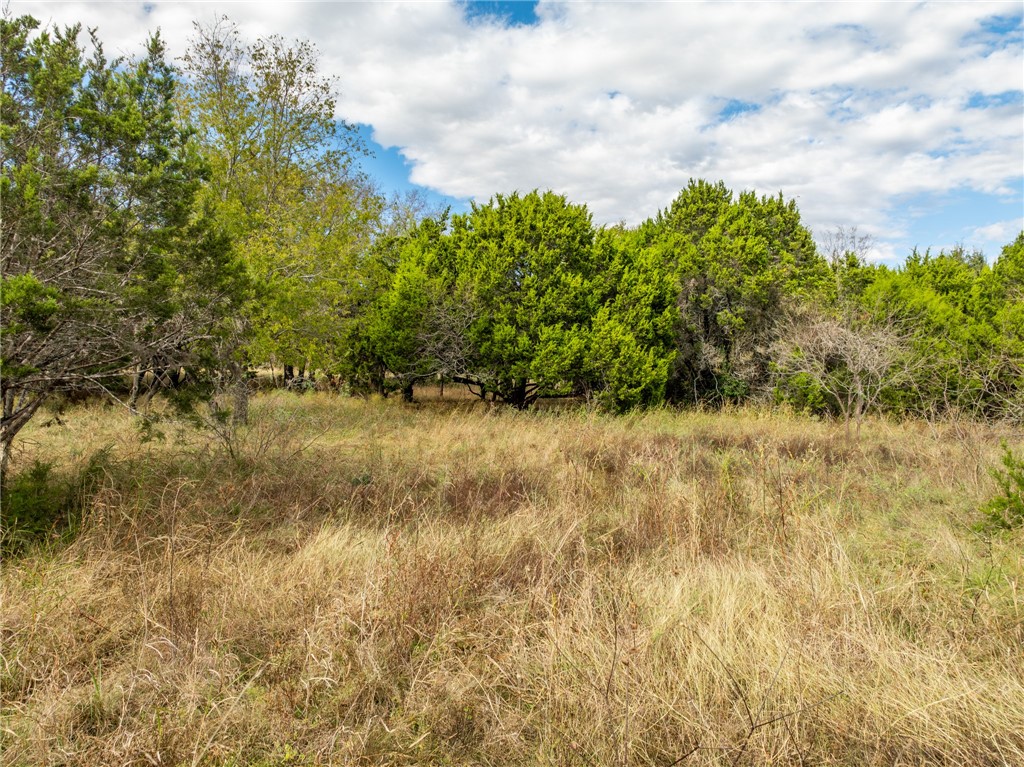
{"points": [[367, 582], [701, 491]]}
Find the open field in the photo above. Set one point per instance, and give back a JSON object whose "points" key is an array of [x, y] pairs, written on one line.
{"points": [[371, 583]]}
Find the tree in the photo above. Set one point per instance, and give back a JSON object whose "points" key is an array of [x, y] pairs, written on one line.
{"points": [[286, 184], [851, 363], [1007, 368], [526, 265], [736, 261], [964, 356], [401, 324], [847, 251], [106, 260], [967, 346], [632, 340]]}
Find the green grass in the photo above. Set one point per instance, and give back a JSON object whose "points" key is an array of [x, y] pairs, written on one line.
{"points": [[377, 584]]}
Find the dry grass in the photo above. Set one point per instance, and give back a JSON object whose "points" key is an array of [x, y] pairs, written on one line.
{"points": [[377, 584]]}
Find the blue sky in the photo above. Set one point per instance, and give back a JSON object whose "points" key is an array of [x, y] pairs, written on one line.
{"points": [[905, 120], [511, 13], [390, 170]]}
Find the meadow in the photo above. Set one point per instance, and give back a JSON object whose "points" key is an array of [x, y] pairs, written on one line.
{"points": [[371, 583]]}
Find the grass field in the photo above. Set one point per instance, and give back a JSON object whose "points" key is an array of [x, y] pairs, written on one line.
{"points": [[370, 583]]}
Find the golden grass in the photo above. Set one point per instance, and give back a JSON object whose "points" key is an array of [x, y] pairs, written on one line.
{"points": [[377, 584]]}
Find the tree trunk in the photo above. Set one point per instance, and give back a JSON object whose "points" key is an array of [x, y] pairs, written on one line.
{"points": [[133, 398], [517, 397], [858, 408], [5, 455], [12, 422]]}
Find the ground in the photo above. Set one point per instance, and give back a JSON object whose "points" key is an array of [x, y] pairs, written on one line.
{"points": [[365, 582]]}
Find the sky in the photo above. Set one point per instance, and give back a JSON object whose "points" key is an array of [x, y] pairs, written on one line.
{"points": [[905, 120]]}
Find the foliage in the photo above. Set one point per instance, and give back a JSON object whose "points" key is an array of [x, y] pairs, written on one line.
{"points": [[803, 392], [843, 362], [33, 505], [285, 182], [526, 264], [969, 342], [632, 344], [1005, 510], [222, 221], [39, 504], [736, 260], [501, 298], [107, 260], [959, 322]]}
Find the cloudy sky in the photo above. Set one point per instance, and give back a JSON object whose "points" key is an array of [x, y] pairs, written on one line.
{"points": [[903, 119]]}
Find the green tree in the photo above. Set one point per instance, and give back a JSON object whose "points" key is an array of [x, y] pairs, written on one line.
{"points": [[286, 184], [1007, 360], [393, 341], [525, 264], [736, 261], [632, 340], [106, 260], [967, 347]]}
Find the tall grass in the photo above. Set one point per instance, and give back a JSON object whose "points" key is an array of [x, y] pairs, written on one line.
{"points": [[376, 584]]}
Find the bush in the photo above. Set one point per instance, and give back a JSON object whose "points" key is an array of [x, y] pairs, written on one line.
{"points": [[38, 504], [803, 394], [34, 503], [1005, 510]]}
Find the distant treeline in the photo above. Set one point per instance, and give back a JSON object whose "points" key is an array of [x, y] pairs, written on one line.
{"points": [[719, 298], [214, 218]]}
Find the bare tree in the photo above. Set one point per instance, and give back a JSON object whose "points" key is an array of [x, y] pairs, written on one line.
{"points": [[852, 362], [444, 336], [836, 245], [405, 210]]}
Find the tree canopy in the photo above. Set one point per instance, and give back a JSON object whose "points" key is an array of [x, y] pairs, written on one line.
{"points": [[108, 259], [285, 182]]}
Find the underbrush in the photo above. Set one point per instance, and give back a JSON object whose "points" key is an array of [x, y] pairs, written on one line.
{"points": [[1005, 509], [367, 583]]}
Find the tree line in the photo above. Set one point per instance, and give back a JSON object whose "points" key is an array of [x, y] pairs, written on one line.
{"points": [[720, 298], [212, 217]]}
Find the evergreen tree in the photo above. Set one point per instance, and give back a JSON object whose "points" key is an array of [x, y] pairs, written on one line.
{"points": [[107, 262]]}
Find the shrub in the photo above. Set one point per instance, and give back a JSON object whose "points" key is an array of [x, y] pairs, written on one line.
{"points": [[1005, 510], [38, 503], [803, 394], [33, 505]]}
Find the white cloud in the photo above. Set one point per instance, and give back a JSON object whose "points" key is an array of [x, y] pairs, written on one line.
{"points": [[1000, 231], [616, 104]]}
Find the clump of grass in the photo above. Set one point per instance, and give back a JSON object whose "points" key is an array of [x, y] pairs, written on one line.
{"points": [[373, 584]]}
